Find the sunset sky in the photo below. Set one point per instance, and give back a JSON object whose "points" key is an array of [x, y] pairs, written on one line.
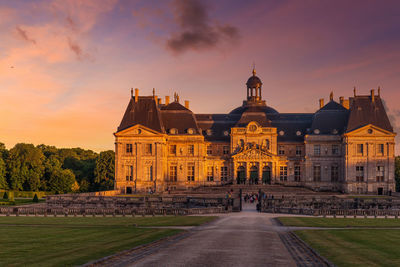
{"points": [[67, 66]]}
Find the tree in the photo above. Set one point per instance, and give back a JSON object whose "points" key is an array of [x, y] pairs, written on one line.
{"points": [[3, 180], [61, 181], [25, 166], [35, 199], [5, 196], [105, 170]]}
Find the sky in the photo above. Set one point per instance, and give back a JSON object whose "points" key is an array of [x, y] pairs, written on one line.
{"points": [[67, 66]]}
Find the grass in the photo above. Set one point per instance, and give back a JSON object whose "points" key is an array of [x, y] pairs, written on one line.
{"points": [[20, 201], [339, 222], [60, 241], [360, 247]]}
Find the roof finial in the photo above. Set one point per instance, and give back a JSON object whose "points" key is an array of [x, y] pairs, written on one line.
{"points": [[154, 91], [177, 98], [132, 92], [379, 91], [354, 91], [331, 96], [254, 68]]}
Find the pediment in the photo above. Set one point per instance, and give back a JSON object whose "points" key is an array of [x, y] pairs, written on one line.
{"points": [[138, 130], [253, 153], [370, 130]]}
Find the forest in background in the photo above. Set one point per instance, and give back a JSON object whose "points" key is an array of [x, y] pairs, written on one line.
{"points": [[26, 167]]}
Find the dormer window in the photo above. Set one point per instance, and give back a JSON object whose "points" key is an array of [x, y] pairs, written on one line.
{"points": [[173, 131], [281, 133], [317, 131], [226, 133], [190, 131], [298, 133], [209, 132]]}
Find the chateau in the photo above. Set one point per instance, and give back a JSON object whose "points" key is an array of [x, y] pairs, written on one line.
{"points": [[345, 146]]}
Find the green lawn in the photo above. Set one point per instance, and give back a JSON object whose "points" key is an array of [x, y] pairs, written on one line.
{"points": [[339, 222], [19, 201], [41, 241], [357, 247]]}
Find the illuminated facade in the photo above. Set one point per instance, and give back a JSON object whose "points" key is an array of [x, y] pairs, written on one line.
{"points": [[344, 146]]}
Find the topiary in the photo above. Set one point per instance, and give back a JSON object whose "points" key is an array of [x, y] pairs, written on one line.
{"points": [[5, 196], [35, 199]]}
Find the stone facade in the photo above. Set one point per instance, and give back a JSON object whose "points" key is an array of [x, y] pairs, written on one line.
{"points": [[346, 146]]}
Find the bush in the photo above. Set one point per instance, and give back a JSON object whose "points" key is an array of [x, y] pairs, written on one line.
{"points": [[35, 199], [5, 196]]}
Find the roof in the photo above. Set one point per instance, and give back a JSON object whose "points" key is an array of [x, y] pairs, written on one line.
{"points": [[144, 112], [364, 111], [330, 119]]}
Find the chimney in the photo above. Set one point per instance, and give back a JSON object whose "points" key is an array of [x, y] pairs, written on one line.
{"points": [[159, 101], [372, 95], [187, 104], [354, 91], [166, 99], [321, 103], [379, 91], [136, 95], [331, 96], [131, 92], [341, 99]]}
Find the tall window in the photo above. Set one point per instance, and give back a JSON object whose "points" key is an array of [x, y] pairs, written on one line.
{"points": [[281, 150], [359, 173], [210, 173], [129, 173], [225, 150], [173, 173], [172, 149], [297, 172], [209, 150], [283, 173], [317, 150], [381, 149], [360, 149], [334, 173], [317, 173], [224, 173], [149, 149], [298, 150], [380, 173], [266, 144], [335, 149], [191, 150], [149, 173], [128, 148], [190, 172]]}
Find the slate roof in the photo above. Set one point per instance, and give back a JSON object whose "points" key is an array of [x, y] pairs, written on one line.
{"points": [[144, 112], [330, 119], [363, 112], [177, 116]]}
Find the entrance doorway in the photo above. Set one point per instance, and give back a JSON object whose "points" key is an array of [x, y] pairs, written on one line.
{"points": [[129, 190], [380, 191], [253, 175], [241, 175], [266, 175]]}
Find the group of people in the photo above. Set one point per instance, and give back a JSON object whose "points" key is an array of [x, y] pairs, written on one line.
{"points": [[250, 198]]}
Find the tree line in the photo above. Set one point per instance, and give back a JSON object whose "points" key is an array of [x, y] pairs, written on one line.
{"points": [[26, 167]]}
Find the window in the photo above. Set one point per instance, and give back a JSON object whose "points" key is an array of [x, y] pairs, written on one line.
{"points": [[381, 149], [149, 173], [281, 150], [173, 171], [190, 172], [360, 149], [317, 150], [334, 173], [191, 149], [283, 173], [298, 150], [128, 148], [380, 173], [317, 173], [225, 150], [224, 173], [172, 149], [335, 149], [129, 173], [209, 150], [266, 144], [297, 173], [359, 173], [210, 173], [149, 149]]}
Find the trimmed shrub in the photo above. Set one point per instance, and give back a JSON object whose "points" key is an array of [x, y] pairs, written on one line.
{"points": [[5, 196], [35, 199]]}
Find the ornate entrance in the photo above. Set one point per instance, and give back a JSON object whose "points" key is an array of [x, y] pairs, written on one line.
{"points": [[253, 175], [241, 175], [266, 175]]}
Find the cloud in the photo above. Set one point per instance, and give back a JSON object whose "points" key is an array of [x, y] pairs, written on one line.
{"points": [[24, 35], [196, 32], [75, 47]]}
